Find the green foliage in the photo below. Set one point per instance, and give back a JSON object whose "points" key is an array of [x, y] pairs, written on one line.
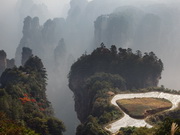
{"points": [[91, 127], [23, 98], [128, 130], [34, 63], [9, 127], [98, 87], [138, 71], [137, 131], [103, 80], [163, 128], [55, 126], [95, 77], [39, 125], [12, 76], [144, 131]]}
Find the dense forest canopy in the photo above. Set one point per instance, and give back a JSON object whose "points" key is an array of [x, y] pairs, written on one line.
{"points": [[138, 70], [23, 100], [95, 78]]}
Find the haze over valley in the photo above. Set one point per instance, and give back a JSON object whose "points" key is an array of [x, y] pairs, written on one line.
{"points": [[64, 33]]}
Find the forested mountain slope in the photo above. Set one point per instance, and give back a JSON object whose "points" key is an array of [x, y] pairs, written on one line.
{"points": [[96, 77], [23, 101]]}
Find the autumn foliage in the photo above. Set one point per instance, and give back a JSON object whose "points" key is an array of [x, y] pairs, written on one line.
{"points": [[26, 98], [23, 100]]}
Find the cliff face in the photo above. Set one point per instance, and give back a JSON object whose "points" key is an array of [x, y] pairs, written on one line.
{"points": [[3, 62], [26, 54], [42, 39], [138, 72], [129, 26], [60, 53], [81, 97], [10, 63]]}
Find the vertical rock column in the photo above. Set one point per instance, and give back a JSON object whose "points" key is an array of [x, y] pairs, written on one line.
{"points": [[3, 61], [26, 54]]}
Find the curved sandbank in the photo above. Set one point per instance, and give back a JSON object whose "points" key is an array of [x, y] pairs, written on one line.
{"points": [[127, 120]]}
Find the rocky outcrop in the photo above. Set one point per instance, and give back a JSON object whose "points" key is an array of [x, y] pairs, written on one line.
{"points": [[42, 39], [10, 63], [87, 92], [3, 61], [31, 8], [60, 53], [76, 8], [31, 37], [137, 71], [26, 54], [128, 26]]}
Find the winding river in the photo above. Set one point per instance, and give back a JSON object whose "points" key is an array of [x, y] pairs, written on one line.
{"points": [[127, 120]]}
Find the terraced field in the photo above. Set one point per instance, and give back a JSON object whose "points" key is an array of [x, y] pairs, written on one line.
{"points": [[129, 121], [140, 108]]}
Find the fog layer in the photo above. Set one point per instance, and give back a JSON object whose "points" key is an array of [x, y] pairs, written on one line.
{"points": [[59, 31]]}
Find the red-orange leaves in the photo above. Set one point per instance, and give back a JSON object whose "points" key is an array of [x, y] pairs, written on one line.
{"points": [[27, 99], [42, 109], [26, 95], [33, 100]]}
